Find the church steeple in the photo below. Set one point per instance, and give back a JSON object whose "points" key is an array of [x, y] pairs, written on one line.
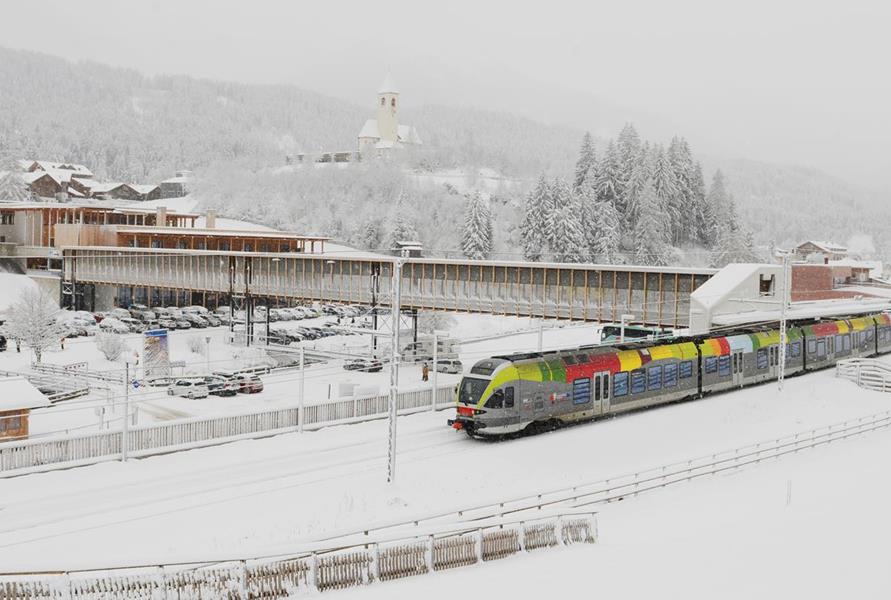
{"points": [[387, 110]]}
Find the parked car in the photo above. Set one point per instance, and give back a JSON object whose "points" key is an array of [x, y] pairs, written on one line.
{"points": [[188, 389], [166, 323], [174, 311], [212, 320], [248, 384], [183, 324], [197, 310], [449, 366], [113, 325], [119, 313], [195, 320], [220, 386], [367, 365], [134, 325], [2, 343]]}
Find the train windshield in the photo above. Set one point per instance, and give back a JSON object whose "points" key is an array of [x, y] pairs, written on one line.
{"points": [[472, 389]]}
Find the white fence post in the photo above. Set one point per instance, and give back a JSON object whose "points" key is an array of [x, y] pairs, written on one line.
{"points": [[429, 554], [479, 545]]}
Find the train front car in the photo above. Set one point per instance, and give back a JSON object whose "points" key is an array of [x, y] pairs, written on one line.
{"points": [[487, 400]]}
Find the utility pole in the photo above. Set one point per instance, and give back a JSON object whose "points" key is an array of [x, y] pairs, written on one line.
{"points": [[207, 354], [540, 335], [300, 412], [435, 361], [395, 300], [783, 334], [125, 431]]}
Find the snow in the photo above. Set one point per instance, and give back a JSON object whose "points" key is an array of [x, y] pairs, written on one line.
{"points": [[186, 204], [299, 487], [17, 392], [11, 287]]}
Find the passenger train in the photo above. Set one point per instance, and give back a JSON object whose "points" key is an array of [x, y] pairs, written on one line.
{"points": [[507, 394]]}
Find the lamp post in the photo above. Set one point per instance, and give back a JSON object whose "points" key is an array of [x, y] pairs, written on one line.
{"points": [[395, 300], [207, 354], [787, 295]]}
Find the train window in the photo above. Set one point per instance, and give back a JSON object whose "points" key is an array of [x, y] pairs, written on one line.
{"points": [[597, 385], [846, 341], [686, 369], [711, 364], [812, 346], [654, 378], [569, 360], [508, 397], [620, 384], [606, 386], [829, 345], [795, 349], [581, 358], [821, 347], [869, 335], [581, 390], [761, 358], [496, 400], [724, 366], [671, 375], [638, 381]]}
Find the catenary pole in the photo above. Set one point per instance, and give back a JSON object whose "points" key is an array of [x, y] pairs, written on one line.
{"points": [[396, 299], [783, 333], [435, 361], [125, 431], [300, 411]]}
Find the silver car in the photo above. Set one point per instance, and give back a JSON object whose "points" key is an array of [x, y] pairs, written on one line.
{"points": [[188, 389], [449, 366]]}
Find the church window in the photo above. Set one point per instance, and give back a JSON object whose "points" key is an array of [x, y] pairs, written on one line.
{"points": [[393, 102], [383, 101]]}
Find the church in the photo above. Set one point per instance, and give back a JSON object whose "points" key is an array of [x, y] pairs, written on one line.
{"points": [[384, 133]]}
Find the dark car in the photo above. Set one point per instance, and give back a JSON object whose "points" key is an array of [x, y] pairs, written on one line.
{"points": [[365, 365], [220, 386], [2, 344]]}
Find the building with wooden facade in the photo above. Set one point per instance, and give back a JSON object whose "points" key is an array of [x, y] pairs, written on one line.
{"points": [[17, 399]]}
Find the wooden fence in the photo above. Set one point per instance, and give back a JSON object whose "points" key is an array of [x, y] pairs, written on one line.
{"points": [[360, 564], [61, 452]]}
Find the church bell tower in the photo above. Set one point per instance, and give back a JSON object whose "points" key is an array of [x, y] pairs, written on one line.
{"points": [[388, 110]]}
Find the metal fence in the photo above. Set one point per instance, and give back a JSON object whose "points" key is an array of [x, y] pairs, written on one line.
{"points": [[315, 570], [866, 372], [47, 454]]}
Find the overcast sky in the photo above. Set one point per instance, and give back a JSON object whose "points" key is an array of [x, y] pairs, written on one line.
{"points": [[784, 81]]}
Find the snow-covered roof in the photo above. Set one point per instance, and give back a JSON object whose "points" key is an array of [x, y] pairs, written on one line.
{"points": [[387, 86], [825, 246], [97, 187], [806, 310], [17, 392], [180, 179], [143, 188], [408, 135], [46, 165], [194, 231], [370, 130]]}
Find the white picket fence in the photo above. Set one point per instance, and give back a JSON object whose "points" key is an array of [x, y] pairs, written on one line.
{"points": [[61, 452], [313, 569], [865, 372]]}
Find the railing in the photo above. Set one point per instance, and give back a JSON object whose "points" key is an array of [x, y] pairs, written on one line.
{"points": [[62, 452], [65, 388], [78, 370], [632, 484], [314, 568], [866, 372]]}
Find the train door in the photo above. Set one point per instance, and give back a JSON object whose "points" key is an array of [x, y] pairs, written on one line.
{"points": [[601, 393], [736, 366], [773, 360]]}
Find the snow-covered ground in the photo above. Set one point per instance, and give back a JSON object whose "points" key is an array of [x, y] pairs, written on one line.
{"points": [[263, 496]]}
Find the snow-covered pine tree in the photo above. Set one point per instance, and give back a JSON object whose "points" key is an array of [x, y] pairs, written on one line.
{"points": [[586, 163], [403, 230], [32, 320], [606, 223], [716, 199], [735, 243], [641, 173], [681, 161], [666, 188], [608, 179], [12, 185], [535, 218], [651, 235], [476, 235], [565, 236], [586, 200], [628, 147], [703, 219], [371, 237]]}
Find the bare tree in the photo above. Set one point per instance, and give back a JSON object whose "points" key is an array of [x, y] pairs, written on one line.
{"points": [[32, 320]]}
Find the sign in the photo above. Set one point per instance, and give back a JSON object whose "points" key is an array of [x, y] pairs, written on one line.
{"points": [[155, 353]]}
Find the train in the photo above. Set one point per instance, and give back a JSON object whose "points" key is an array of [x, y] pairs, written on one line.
{"points": [[511, 393]]}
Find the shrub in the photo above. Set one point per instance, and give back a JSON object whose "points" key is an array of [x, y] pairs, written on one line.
{"points": [[111, 345], [197, 345]]}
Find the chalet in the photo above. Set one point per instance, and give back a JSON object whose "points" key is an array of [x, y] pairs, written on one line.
{"points": [[823, 252], [176, 187], [68, 170], [17, 399]]}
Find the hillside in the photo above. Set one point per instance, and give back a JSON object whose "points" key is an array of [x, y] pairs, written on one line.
{"points": [[127, 126]]}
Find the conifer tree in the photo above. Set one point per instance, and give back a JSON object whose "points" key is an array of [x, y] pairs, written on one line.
{"points": [[641, 174], [666, 188], [681, 161], [12, 185], [476, 236], [607, 237], [586, 164], [534, 223], [403, 230], [628, 147], [371, 235], [650, 235], [608, 180], [703, 219], [716, 214], [565, 236]]}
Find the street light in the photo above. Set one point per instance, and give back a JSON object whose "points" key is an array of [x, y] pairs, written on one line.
{"points": [[207, 354]]}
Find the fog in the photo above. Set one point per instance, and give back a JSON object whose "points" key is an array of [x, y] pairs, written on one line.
{"points": [[789, 82]]}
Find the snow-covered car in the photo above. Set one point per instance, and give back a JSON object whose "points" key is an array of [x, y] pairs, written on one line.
{"points": [[220, 386], [166, 323], [174, 312], [212, 320], [183, 324], [188, 389], [113, 325], [248, 384], [195, 320], [195, 310], [135, 325], [2, 343], [366, 365], [449, 366], [119, 313]]}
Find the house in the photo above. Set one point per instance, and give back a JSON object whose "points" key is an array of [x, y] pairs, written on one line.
{"points": [[176, 187], [384, 133], [68, 170], [17, 398], [114, 190], [823, 252]]}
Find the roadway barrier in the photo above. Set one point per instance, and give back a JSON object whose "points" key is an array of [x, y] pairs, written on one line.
{"points": [[313, 568], [62, 452]]}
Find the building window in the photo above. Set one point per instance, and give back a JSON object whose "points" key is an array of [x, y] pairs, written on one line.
{"points": [[581, 391], [671, 375], [761, 358], [638, 381], [767, 285], [711, 364], [724, 366], [654, 378], [686, 369], [620, 384], [383, 101], [393, 102], [7, 218], [10, 423]]}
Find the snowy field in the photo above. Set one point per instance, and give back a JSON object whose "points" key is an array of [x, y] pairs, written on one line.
{"points": [[261, 497]]}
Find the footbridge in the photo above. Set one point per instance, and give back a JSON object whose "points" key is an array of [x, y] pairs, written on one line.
{"points": [[584, 292]]}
